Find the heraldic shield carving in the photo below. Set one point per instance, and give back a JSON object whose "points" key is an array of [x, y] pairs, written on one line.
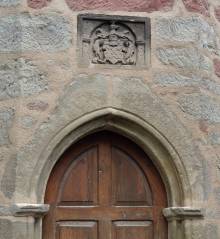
{"points": [[112, 41], [113, 44]]}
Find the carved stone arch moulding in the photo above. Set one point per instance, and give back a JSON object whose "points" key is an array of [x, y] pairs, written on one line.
{"points": [[143, 134]]}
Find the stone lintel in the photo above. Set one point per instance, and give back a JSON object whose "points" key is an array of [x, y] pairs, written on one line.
{"points": [[34, 210], [183, 213]]}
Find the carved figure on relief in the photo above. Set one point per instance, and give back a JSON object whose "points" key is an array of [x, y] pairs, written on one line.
{"points": [[113, 43]]}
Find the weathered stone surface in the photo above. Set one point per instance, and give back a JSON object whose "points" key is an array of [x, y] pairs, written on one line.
{"points": [[8, 179], [217, 67], [217, 13], [182, 213], [28, 121], [25, 209], [201, 107], [187, 30], [120, 5], [204, 231], [5, 210], [200, 6], [8, 3], [20, 77], [214, 138], [38, 105], [24, 32], [6, 228], [211, 231], [174, 79], [6, 120], [188, 58], [177, 80], [37, 4]]}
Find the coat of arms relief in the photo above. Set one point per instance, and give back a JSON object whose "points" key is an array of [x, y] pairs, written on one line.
{"points": [[113, 43], [106, 41]]}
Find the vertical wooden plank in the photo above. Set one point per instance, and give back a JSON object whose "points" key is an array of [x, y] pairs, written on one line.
{"points": [[105, 229], [104, 170]]}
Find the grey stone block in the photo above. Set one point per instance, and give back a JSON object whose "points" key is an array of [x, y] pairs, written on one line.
{"points": [[177, 80], [6, 120], [201, 107], [186, 58], [9, 3], [188, 29], [214, 138], [174, 79], [27, 121], [34, 33], [20, 77]]}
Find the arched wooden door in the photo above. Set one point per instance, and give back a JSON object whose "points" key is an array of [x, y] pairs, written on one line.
{"points": [[105, 187]]}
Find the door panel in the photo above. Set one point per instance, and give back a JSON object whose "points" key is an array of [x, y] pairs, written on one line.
{"points": [[130, 186], [133, 230], [105, 187], [79, 184], [76, 230]]}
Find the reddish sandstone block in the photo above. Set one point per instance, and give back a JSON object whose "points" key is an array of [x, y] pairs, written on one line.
{"points": [[121, 5], [217, 67], [217, 12], [200, 6], [37, 4]]}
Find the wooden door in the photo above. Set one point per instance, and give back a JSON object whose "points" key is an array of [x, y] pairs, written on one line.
{"points": [[105, 187]]}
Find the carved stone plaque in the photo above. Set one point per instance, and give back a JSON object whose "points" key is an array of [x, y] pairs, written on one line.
{"points": [[113, 41]]}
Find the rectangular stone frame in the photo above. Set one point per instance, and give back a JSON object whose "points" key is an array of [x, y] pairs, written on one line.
{"points": [[146, 45]]}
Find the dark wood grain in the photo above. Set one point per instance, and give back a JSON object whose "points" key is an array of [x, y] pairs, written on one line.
{"points": [[105, 187]]}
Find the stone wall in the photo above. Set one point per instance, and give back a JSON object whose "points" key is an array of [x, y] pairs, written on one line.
{"points": [[39, 70]]}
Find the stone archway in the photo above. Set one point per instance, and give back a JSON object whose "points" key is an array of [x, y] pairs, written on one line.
{"points": [[129, 109]]}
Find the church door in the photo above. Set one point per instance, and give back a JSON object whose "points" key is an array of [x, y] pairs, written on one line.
{"points": [[105, 187]]}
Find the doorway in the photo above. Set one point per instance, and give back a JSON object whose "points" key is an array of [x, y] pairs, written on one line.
{"points": [[105, 187]]}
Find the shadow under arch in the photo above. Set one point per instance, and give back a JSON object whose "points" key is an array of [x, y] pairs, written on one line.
{"points": [[155, 145]]}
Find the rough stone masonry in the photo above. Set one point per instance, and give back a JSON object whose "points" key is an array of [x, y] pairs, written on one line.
{"points": [[40, 74]]}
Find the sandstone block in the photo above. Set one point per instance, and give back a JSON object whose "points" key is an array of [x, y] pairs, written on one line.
{"points": [[200, 6], [20, 77], [6, 120], [188, 30], [217, 13], [201, 107], [120, 5], [8, 178], [37, 4], [6, 228], [187, 58], [38, 105], [217, 67], [34, 33]]}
